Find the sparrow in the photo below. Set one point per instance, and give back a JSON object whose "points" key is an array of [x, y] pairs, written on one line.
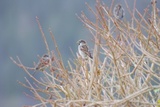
{"points": [[83, 50], [118, 11], [43, 63]]}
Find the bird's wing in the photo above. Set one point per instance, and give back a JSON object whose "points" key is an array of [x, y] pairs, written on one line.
{"points": [[90, 55], [84, 48]]}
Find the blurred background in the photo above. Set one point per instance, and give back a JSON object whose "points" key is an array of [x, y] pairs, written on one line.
{"points": [[20, 36]]}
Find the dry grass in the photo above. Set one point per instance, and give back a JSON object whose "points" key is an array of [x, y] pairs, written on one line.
{"points": [[124, 71]]}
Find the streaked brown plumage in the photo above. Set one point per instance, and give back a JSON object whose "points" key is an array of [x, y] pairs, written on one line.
{"points": [[83, 49]]}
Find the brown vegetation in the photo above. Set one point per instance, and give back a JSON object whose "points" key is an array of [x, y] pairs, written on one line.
{"points": [[124, 70]]}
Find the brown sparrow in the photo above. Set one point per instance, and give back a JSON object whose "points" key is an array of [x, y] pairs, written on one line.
{"points": [[43, 63], [118, 11], [83, 49]]}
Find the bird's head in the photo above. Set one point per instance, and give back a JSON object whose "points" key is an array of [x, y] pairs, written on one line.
{"points": [[81, 41]]}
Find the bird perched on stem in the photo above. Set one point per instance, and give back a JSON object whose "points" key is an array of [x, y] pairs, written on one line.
{"points": [[43, 63], [83, 50], [118, 11]]}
